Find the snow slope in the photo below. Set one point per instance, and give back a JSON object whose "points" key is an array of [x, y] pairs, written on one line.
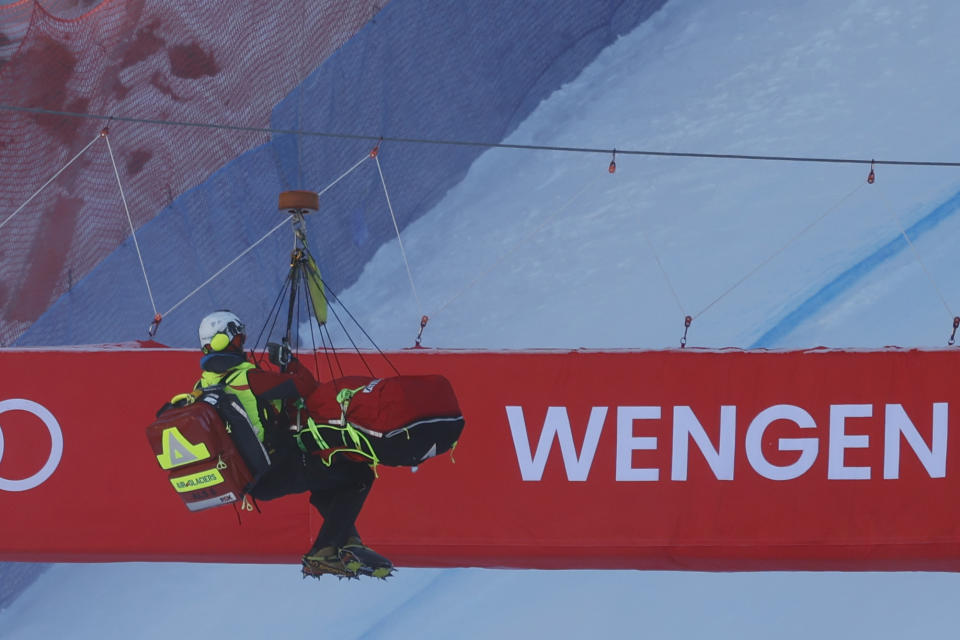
{"points": [[546, 249]]}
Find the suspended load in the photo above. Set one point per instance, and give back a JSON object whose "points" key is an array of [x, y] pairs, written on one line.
{"points": [[210, 450], [398, 421]]}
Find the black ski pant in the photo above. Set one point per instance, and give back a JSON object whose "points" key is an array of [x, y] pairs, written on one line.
{"points": [[337, 492]]}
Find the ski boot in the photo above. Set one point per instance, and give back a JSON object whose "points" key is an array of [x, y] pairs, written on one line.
{"points": [[325, 561], [364, 561]]}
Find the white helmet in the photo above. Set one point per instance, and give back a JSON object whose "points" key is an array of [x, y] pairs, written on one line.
{"points": [[221, 329]]}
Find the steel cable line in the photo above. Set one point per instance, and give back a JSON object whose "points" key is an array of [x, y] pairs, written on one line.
{"points": [[476, 143]]}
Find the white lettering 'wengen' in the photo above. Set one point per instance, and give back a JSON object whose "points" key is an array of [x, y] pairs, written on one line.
{"points": [[897, 428], [56, 449]]}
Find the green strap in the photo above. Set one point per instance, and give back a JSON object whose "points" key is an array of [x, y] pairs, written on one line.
{"points": [[354, 442], [313, 429], [344, 397]]}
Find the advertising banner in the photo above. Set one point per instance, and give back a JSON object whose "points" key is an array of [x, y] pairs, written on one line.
{"points": [[680, 459]]}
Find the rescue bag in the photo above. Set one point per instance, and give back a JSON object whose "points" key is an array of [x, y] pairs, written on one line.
{"points": [[398, 421], [209, 450]]}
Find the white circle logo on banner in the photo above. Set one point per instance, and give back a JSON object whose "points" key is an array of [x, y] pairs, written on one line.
{"points": [[56, 449]]}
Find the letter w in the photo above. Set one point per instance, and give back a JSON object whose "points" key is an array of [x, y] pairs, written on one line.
{"points": [[556, 423]]}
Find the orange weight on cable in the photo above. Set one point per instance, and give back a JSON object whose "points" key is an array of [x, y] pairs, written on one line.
{"points": [[298, 200]]}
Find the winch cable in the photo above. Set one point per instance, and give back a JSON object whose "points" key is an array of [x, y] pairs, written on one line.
{"points": [[328, 348], [327, 343], [271, 315], [291, 286], [328, 293]]}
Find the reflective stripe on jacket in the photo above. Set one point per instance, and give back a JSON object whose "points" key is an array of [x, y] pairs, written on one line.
{"points": [[235, 382]]}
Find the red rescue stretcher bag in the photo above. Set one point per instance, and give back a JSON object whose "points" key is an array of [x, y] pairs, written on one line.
{"points": [[398, 421], [209, 450]]}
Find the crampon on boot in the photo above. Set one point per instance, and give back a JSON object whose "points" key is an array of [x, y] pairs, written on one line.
{"points": [[325, 561], [364, 561]]}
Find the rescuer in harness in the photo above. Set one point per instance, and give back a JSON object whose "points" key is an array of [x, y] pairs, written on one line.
{"points": [[337, 490]]}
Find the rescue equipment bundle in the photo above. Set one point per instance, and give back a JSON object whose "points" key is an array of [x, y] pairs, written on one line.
{"points": [[399, 421]]}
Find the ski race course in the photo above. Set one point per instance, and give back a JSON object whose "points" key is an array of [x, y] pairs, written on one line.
{"points": [[804, 425]]}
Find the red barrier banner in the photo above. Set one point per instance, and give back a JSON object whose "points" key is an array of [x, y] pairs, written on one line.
{"points": [[689, 459]]}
